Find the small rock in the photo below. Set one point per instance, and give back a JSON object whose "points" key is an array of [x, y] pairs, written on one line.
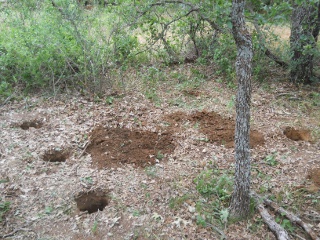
{"points": [[191, 209]]}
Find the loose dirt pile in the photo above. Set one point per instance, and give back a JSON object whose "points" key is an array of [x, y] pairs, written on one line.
{"points": [[218, 130], [112, 147]]}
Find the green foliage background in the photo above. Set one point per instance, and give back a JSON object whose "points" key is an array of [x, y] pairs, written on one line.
{"points": [[67, 46]]}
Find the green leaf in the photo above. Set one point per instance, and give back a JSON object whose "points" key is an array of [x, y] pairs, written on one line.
{"points": [[224, 214], [229, 24]]}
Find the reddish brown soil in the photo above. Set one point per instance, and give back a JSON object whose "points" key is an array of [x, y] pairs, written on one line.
{"points": [[218, 130], [314, 175], [111, 147], [92, 201], [191, 92], [297, 135]]}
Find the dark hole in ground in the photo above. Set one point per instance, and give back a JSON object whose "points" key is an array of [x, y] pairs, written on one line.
{"points": [[297, 135], [218, 130], [56, 155], [33, 123], [92, 201], [191, 92], [115, 146]]}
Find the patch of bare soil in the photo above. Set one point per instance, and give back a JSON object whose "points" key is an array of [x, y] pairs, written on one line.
{"points": [[92, 201], [313, 185], [56, 155], [218, 130], [111, 147], [191, 92], [297, 135]]}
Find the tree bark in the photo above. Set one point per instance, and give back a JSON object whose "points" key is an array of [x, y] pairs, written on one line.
{"points": [[240, 200], [304, 24]]}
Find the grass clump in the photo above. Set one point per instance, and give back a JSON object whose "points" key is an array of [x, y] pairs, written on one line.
{"points": [[4, 208], [216, 188]]}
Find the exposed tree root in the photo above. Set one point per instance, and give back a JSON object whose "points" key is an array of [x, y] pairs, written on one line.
{"points": [[276, 228]]}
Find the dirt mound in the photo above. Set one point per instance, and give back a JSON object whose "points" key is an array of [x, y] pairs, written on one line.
{"points": [[114, 146], [92, 201], [297, 135], [218, 130], [176, 117]]}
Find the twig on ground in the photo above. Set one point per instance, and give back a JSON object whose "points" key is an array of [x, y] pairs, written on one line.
{"points": [[84, 149], [285, 94], [218, 231], [298, 237], [14, 232]]}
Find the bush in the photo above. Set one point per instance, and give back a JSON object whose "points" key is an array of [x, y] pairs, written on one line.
{"points": [[47, 46], [225, 55]]}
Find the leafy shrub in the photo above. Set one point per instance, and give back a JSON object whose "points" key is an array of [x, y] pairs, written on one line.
{"points": [[208, 183], [124, 44], [225, 55], [217, 189], [5, 90], [47, 46]]}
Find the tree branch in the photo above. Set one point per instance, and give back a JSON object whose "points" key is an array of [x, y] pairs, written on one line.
{"points": [[293, 218], [175, 2], [193, 9], [279, 232], [265, 50]]}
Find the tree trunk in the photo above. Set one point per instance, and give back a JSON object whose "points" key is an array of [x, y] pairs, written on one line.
{"points": [[240, 201], [304, 24]]}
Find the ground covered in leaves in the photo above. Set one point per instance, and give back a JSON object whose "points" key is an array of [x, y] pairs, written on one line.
{"points": [[73, 167]]}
